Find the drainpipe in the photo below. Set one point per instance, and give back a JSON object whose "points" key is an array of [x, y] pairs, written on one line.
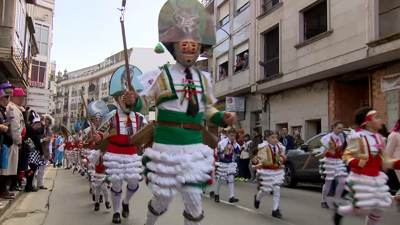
{"points": [[367, 28]]}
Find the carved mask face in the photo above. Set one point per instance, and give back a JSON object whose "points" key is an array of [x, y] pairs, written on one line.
{"points": [[121, 103], [187, 51]]}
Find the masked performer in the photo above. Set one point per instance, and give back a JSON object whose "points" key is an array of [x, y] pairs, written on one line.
{"points": [[99, 115], [269, 160], [367, 183], [178, 160], [226, 167], [332, 165], [121, 159]]}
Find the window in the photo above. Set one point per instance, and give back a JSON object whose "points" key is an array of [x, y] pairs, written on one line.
{"points": [[389, 11], [42, 38], [20, 19], [224, 21], [223, 70], [256, 118], [315, 20], [241, 5], [313, 127], [38, 71], [268, 4], [271, 53]]}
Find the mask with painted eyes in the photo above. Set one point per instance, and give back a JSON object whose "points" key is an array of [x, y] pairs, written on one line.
{"points": [[186, 52]]}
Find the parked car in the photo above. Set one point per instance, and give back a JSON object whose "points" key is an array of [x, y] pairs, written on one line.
{"points": [[296, 159]]}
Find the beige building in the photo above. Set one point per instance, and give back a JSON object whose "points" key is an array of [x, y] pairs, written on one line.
{"points": [[93, 82], [311, 61], [41, 82]]}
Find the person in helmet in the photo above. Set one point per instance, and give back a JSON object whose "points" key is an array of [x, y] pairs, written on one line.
{"points": [[183, 97]]}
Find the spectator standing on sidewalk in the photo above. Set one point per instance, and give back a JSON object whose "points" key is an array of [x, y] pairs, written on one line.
{"points": [[245, 158], [5, 141], [287, 140], [257, 139], [47, 150]]}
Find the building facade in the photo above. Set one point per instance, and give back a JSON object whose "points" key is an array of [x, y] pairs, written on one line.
{"points": [[311, 62], [93, 83], [41, 90], [17, 41]]}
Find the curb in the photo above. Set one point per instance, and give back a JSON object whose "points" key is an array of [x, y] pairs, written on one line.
{"points": [[6, 204]]}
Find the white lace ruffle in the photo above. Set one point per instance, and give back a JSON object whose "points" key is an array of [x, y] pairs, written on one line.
{"points": [[123, 167], [370, 192], [331, 168], [172, 166], [223, 170], [270, 178]]}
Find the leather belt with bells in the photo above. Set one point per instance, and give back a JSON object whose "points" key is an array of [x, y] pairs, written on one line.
{"points": [[188, 126]]}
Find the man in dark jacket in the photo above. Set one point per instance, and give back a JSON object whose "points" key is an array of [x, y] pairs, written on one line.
{"points": [[287, 140]]}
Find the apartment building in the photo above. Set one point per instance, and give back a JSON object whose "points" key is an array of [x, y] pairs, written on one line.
{"points": [[320, 60], [93, 83], [41, 90], [17, 41]]}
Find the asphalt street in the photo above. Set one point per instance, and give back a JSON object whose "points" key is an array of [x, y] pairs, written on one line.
{"points": [[69, 202]]}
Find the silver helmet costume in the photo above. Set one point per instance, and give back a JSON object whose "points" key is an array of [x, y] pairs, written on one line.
{"points": [[99, 109]]}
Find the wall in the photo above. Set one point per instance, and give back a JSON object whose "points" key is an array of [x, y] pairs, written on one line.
{"points": [[295, 106], [253, 104]]}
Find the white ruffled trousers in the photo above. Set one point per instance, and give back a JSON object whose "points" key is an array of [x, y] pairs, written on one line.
{"points": [[170, 170]]}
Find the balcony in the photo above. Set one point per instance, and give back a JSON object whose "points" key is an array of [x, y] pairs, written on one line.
{"points": [[74, 93], [93, 88], [65, 107], [58, 94], [104, 86], [233, 83], [72, 120], [74, 106], [66, 94], [58, 111]]}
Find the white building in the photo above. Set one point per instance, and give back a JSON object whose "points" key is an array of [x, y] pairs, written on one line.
{"points": [[40, 93], [93, 82]]}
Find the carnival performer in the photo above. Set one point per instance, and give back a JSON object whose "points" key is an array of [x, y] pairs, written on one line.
{"points": [[99, 116], [69, 145], [226, 167], [221, 136], [78, 139], [121, 159], [332, 166], [366, 183], [178, 160], [269, 162]]}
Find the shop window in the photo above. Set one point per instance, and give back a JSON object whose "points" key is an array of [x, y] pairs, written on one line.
{"points": [[313, 127], [223, 70], [268, 4], [271, 53], [315, 20]]}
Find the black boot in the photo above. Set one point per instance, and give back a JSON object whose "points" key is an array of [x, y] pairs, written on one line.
{"points": [[93, 198], [116, 218], [337, 218], [101, 199], [233, 200], [212, 194], [277, 213], [97, 206], [324, 205], [108, 205], [256, 203], [125, 210], [216, 198]]}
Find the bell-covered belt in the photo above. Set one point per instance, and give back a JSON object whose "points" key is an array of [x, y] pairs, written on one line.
{"points": [[188, 126]]}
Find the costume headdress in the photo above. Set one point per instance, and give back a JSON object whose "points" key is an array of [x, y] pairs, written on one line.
{"points": [[100, 109], [34, 117], [118, 82]]}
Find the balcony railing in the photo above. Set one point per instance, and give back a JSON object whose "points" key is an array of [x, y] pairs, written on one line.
{"points": [[104, 86], [74, 93], [72, 120], [66, 94], [58, 111], [93, 89], [65, 107], [58, 94], [74, 106]]}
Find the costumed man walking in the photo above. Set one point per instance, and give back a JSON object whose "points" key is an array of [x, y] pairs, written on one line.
{"points": [[99, 115], [226, 167], [121, 159], [269, 162], [367, 184], [178, 161]]}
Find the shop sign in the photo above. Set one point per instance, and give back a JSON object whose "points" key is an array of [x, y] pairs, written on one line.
{"points": [[36, 84], [234, 104], [390, 82]]}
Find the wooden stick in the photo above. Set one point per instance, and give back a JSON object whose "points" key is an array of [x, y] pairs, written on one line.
{"points": [[87, 114], [309, 157]]}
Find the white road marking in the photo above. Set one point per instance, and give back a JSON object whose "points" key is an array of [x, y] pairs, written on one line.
{"points": [[250, 210]]}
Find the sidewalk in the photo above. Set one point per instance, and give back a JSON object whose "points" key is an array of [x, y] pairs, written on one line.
{"points": [[29, 208]]}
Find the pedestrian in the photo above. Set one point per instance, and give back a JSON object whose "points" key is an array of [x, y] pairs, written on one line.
{"points": [[60, 146], [226, 167], [287, 140], [298, 141], [47, 150], [257, 139], [332, 166], [365, 155], [245, 157], [269, 162]]}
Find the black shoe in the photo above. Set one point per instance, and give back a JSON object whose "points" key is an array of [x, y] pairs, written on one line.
{"points": [[90, 191], [324, 205], [337, 218], [216, 198], [93, 198], [97, 206], [271, 193], [82, 173], [256, 203], [116, 218], [108, 205], [101, 199], [125, 210], [212, 194], [233, 200], [54, 166], [277, 213]]}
